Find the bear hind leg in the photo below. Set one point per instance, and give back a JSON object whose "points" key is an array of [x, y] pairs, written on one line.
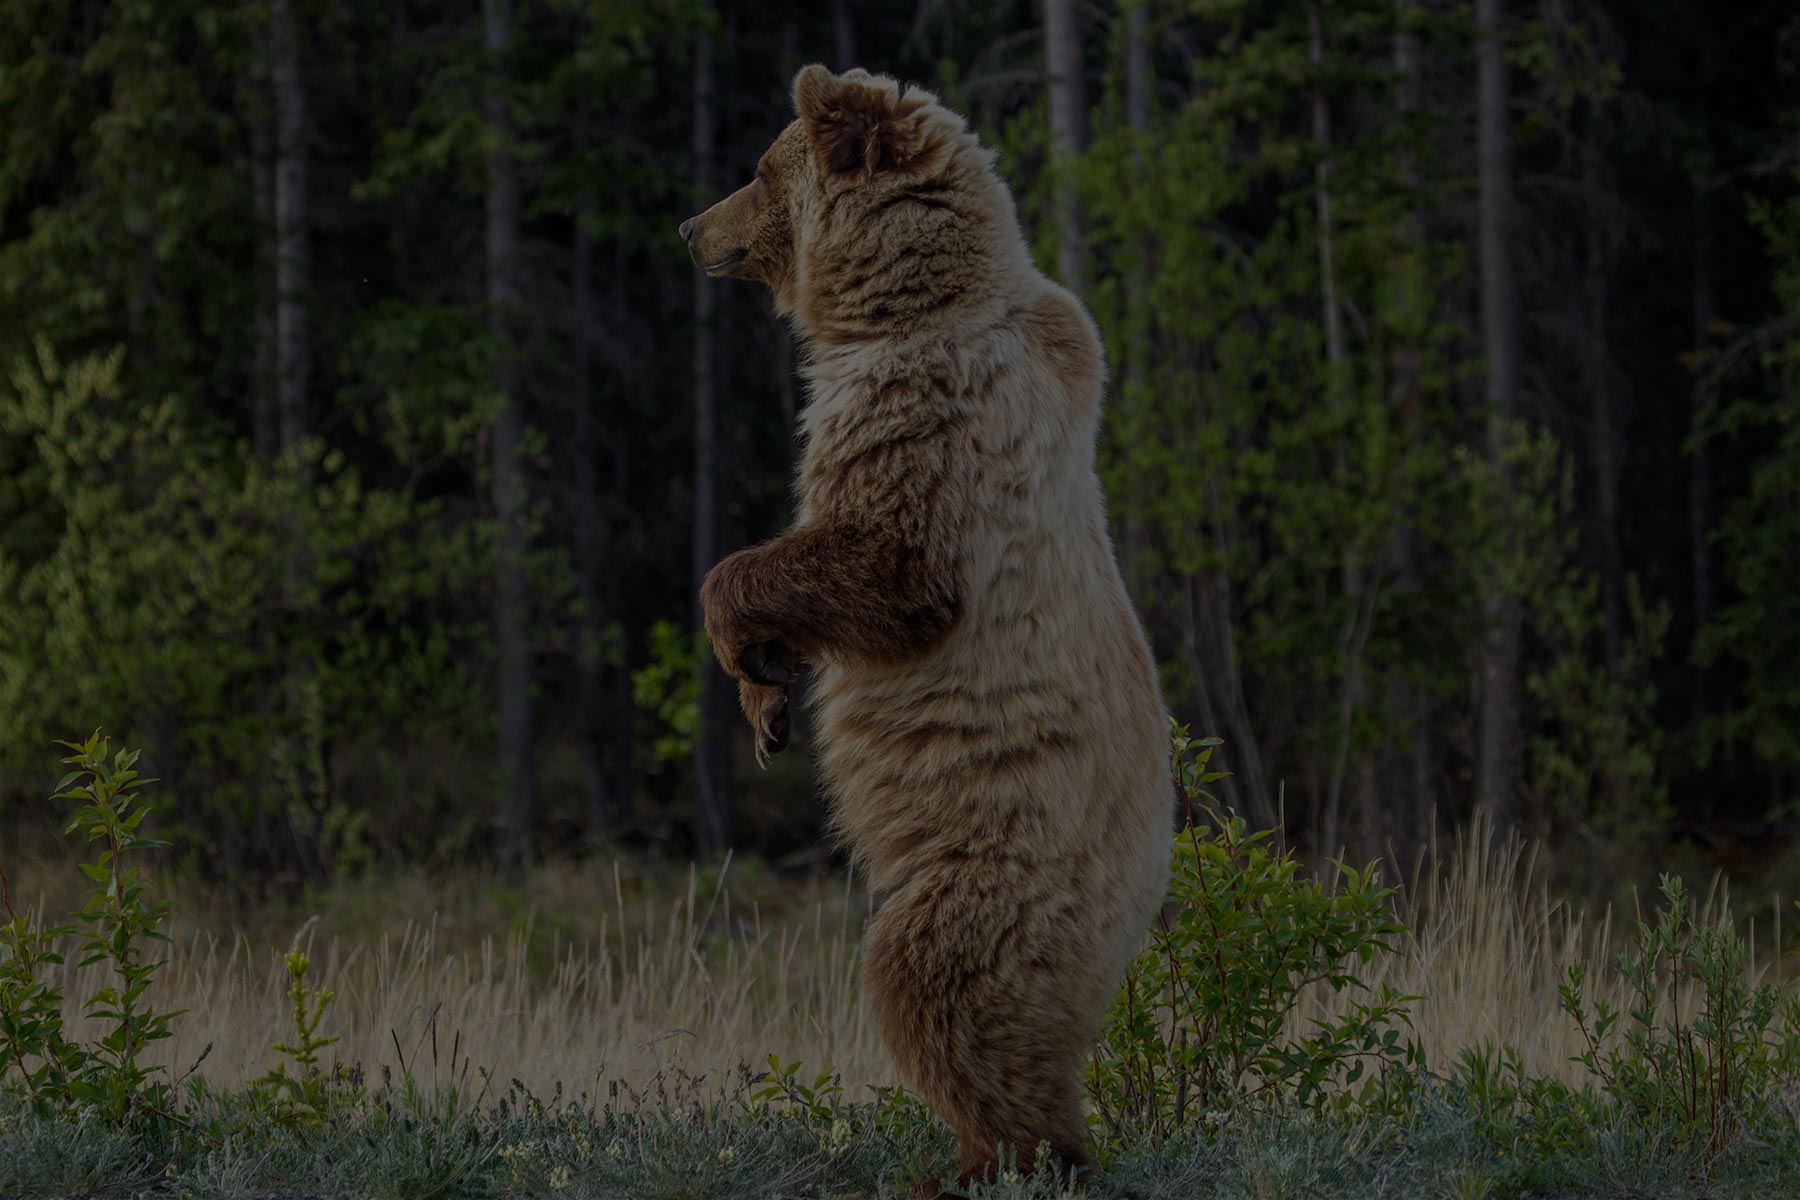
{"points": [[974, 1000]]}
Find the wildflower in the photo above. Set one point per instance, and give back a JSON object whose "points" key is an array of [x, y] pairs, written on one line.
{"points": [[559, 1179], [727, 1156]]}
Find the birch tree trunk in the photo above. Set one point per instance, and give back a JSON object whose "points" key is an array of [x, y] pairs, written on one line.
{"points": [[512, 607], [713, 825], [1068, 132], [1498, 740]]}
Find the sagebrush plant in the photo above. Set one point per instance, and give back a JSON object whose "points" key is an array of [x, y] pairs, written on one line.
{"points": [[1201, 1026], [1700, 1054]]}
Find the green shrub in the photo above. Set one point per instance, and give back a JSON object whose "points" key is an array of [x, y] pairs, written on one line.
{"points": [[308, 1094], [1699, 1054], [120, 916], [1203, 1023], [668, 688], [249, 622]]}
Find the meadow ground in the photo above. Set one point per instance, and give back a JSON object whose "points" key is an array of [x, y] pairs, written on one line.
{"points": [[599, 1029]]}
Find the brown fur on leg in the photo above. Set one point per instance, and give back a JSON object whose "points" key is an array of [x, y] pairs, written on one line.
{"points": [[955, 966]]}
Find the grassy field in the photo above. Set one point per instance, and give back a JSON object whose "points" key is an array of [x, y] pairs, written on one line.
{"points": [[584, 973], [598, 1029]]}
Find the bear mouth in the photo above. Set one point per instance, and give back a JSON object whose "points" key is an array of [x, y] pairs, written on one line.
{"points": [[727, 261]]}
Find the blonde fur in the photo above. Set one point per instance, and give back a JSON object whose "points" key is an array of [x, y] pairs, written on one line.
{"points": [[989, 724]]}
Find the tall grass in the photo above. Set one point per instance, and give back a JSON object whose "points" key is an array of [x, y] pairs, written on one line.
{"points": [[589, 974]]}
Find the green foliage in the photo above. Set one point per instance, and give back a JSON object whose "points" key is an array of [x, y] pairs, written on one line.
{"points": [[1594, 752], [820, 1105], [1274, 498], [1700, 1067], [1698, 1054], [1520, 1113], [1759, 630], [1695, 1082], [120, 916], [239, 618], [308, 1095], [667, 687], [1204, 1024], [31, 1024]]}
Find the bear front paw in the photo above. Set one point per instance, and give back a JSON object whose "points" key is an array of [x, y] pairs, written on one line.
{"points": [[772, 663], [767, 708]]}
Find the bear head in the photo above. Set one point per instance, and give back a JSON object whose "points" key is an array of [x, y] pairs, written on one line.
{"points": [[866, 166]]}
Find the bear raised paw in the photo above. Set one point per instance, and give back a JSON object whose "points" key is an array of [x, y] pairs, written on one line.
{"points": [[989, 726]]}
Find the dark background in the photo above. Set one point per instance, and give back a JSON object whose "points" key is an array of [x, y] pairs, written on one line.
{"points": [[364, 427]]}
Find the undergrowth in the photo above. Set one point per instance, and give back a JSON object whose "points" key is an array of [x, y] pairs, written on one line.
{"points": [[1202, 1084]]}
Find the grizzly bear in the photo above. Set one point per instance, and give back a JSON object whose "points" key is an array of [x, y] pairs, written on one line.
{"points": [[989, 726]]}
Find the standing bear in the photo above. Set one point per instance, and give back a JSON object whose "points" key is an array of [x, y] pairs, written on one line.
{"points": [[989, 726]]}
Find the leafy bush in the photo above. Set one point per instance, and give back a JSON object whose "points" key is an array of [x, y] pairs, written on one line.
{"points": [[308, 1094], [1203, 1024], [120, 917], [247, 620], [668, 688], [1699, 1054]]}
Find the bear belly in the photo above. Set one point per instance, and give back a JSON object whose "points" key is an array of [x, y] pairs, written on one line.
{"points": [[944, 760]]}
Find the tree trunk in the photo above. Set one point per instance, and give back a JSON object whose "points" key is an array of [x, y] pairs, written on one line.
{"points": [[1134, 393], [1210, 626], [1700, 478], [1068, 132], [591, 700], [265, 419], [843, 34], [624, 551], [1414, 788], [1609, 443], [1358, 604], [713, 824], [303, 745], [1498, 743], [1321, 127], [512, 607], [293, 361]]}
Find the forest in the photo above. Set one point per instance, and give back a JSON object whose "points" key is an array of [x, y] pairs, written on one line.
{"points": [[365, 429]]}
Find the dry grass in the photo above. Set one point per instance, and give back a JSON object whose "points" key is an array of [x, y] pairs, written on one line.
{"points": [[1489, 946], [591, 973]]}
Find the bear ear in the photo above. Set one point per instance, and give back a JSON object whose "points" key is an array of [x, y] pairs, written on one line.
{"points": [[855, 127]]}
